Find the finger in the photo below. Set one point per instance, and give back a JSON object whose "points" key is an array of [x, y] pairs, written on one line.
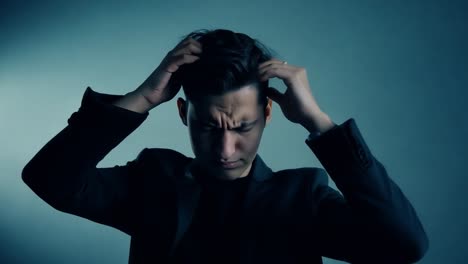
{"points": [[274, 95], [281, 71], [180, 60], [188, 41], [272, 65], [189, 49], [196, 42], [270, 62]]}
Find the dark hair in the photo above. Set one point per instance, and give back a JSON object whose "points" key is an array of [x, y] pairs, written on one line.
{"points": [[229, 61]]}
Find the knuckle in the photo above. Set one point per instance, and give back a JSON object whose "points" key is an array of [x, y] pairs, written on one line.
{"points": [[300, 71], [179, 57], [191, 42], [190, 46]]}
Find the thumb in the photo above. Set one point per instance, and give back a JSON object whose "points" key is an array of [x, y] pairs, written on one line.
{"points": [[274, 95]]}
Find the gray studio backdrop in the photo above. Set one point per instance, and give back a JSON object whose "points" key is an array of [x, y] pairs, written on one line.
{"points": [[398, 67]]}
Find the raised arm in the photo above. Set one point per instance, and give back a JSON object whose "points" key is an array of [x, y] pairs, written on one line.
{"points": [[373, 221], [64, 173]]}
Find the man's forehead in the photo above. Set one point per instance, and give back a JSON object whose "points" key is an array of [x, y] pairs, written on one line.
{"points": [[213, 112], [241, 105]]}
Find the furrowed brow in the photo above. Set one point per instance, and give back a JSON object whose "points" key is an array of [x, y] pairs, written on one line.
{"points": [[243, 124]]}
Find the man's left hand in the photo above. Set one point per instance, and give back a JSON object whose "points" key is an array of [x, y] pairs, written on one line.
{"points": [[297, 103]]}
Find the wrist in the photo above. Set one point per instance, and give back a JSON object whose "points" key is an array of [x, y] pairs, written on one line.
{"points": [[318, 124], [135, 101]]}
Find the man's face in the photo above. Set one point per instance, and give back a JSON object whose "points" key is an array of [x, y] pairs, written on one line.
{"points": [[225, 131]]}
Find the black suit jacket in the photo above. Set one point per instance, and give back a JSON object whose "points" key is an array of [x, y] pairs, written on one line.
{"points": [[288, 216]]}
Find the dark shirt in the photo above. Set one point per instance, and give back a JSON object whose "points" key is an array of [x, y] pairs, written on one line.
{"points": [[213, 236]]}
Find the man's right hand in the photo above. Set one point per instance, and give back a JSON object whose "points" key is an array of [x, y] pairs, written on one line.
{"points": [[159, 87]]}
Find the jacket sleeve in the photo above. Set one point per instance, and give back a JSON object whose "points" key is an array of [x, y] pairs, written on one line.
{"points": [[371, 221], [64, 174]]}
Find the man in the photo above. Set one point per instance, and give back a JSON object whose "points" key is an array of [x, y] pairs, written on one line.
{"points": [[226, 205]]}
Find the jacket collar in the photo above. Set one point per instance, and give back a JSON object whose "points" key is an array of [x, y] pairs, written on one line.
{"points": [[261, 171]]}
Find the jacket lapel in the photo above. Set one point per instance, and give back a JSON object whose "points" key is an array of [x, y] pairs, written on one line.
{"points": [[251, 216], [188, 195]]}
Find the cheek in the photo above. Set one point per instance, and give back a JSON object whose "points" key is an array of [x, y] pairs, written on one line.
{"points": [[202, 141], [249, 142]]}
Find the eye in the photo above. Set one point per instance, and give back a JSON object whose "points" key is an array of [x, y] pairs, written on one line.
{"points": [[243, 129]]}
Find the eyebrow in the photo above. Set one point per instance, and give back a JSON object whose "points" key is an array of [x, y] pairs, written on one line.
{"points": [[243, 123]]}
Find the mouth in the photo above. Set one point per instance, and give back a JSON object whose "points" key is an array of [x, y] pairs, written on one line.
{"points": [[229, 165]]}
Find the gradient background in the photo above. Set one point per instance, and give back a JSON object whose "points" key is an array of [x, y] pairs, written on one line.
{"points": [[398, 67]]}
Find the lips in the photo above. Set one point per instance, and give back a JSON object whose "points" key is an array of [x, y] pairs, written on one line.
{"points": [[229, 165]]}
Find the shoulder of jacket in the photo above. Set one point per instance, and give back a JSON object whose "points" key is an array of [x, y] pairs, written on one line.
{"points": [[164, 159], [311, 175], [160, 152]]}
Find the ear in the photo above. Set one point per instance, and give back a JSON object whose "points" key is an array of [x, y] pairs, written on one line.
{"points": [[268, 110], [182, 106]]}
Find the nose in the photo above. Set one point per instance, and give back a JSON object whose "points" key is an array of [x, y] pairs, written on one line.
{"points": [[226, 145]]}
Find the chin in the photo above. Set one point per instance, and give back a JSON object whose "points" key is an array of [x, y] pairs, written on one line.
{"points": [[218, 171], [227, 174]]}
